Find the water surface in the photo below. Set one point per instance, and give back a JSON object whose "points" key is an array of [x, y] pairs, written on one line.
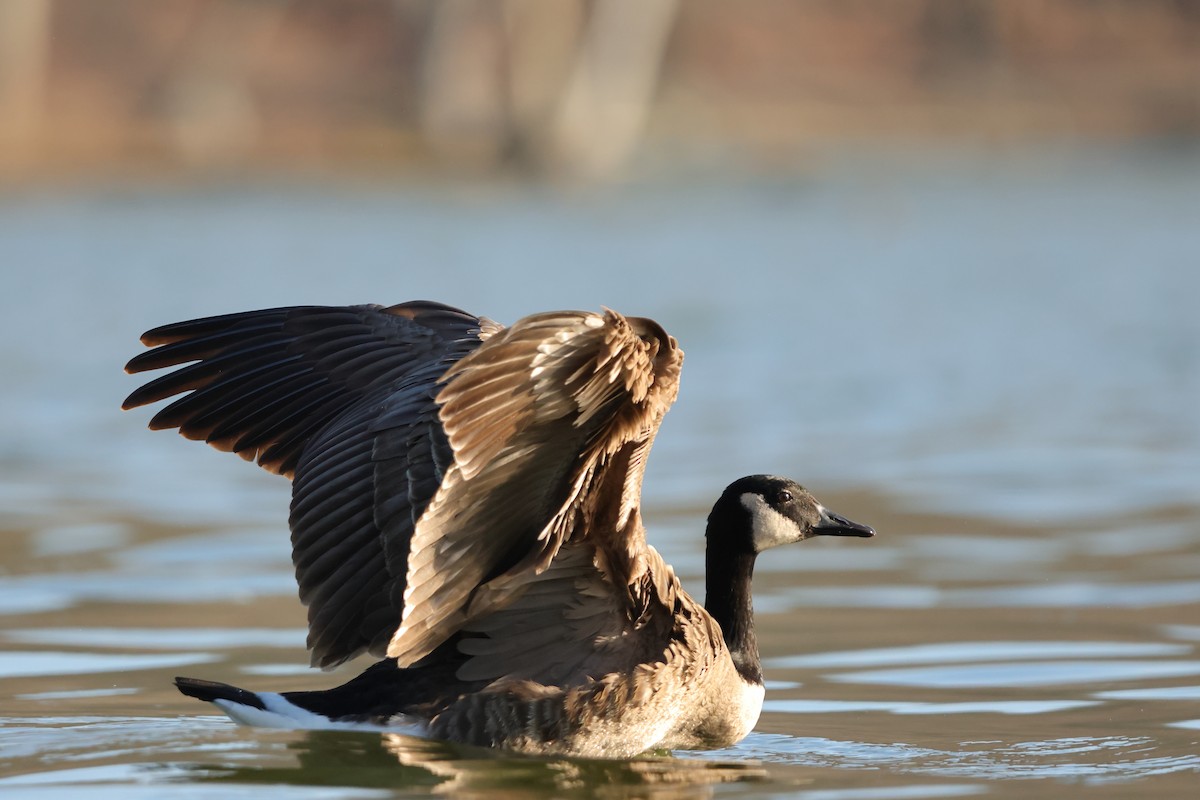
{"points": [[996, 364]]}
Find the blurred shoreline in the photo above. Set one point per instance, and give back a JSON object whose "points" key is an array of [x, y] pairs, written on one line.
{"points": [[544, 88]]}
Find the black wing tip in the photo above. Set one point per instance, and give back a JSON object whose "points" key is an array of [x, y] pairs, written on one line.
{"points": [[208, 691], [174, 331], [177, 331], [149, 360], [136, 399], [152, 392]]}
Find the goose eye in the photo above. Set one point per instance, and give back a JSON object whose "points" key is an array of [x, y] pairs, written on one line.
{"points": [[784, 497]]}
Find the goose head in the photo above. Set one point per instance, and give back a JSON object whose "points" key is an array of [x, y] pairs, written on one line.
{"points": [[754, 514], [759, 512]]}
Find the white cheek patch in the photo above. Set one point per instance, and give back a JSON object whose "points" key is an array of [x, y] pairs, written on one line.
{"points": [[771, 528]]}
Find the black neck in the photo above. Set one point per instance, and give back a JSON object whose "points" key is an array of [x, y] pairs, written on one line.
{"points": [[727, 599]]}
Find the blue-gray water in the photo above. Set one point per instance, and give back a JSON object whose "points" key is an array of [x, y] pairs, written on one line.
{"points": [[994, 362]]}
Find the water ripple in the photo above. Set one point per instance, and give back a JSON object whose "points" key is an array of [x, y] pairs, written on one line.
{"points": [[1074, 594], [37, 664], [1156, 693], [901, 707], [951, 652], [160, 638], [1095, 758], [1023, 673]]}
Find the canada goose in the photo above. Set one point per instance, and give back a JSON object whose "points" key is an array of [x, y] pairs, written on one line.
{"points": [[466, 505]]}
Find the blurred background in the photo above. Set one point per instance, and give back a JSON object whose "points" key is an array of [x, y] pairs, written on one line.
{"points": [[919, 223], [593, 89], [938, 259]]}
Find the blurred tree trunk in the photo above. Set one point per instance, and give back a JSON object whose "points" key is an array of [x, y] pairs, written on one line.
{"points": [[543, 83], [24, 50], [463, 114], [611, 85], [207, 98]]}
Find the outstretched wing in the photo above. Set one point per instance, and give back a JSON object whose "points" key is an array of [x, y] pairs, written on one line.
{"points": [[341, 398], [549, 423], [438, 461]]}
